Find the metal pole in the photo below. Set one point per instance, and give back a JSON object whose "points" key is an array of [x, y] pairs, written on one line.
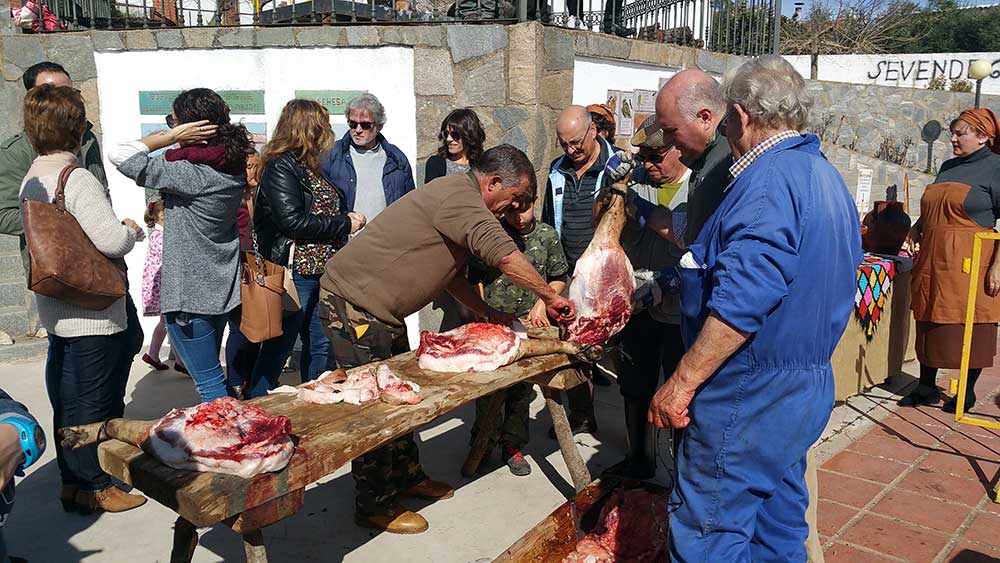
{"points": [[979, 88], [777, 27], [522, 10]]}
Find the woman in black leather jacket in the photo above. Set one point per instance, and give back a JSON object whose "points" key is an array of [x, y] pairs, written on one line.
{"points": [[299, 222]]}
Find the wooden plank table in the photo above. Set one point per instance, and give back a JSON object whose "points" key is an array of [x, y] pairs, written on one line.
{"points": [[328, 437]]}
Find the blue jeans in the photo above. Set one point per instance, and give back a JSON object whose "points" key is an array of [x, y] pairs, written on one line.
{"points": [[305, 323], [241, 354], [198, 341]]}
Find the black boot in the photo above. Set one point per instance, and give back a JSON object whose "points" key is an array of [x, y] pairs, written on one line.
{"points": [[639, 463], [926, 391], [970, 394]]}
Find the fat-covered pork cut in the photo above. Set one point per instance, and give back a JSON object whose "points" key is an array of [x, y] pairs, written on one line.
{"points": [[482, 347], [358, 387], [221, 436], [603, 282]]}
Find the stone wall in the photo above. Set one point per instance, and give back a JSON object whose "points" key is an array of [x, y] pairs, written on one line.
{"points": [[862, 117]]}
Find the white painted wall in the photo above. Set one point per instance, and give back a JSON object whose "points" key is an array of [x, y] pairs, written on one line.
{"points": [[279, 72], [592, 78], [909, 71]]}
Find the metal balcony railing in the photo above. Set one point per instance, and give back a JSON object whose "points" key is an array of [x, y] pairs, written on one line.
{"points": [[744, 27]]}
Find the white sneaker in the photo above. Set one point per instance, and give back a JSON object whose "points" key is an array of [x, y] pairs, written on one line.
{"points": [[571, 22]]}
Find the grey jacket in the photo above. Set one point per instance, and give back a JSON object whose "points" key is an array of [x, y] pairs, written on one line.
{"points": [[200, 238]]}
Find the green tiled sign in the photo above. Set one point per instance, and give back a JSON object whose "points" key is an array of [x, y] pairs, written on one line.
{"points": [[335, 101], [241, 102]]}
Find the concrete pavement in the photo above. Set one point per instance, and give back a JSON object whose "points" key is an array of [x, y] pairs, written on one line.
{"points": [[486, 515]]}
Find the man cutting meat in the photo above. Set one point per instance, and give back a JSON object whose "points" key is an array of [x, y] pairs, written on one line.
{"points": [[403, 259]]}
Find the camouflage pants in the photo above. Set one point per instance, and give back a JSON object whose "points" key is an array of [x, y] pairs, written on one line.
{"points": [[358, 339], [513, 431]]}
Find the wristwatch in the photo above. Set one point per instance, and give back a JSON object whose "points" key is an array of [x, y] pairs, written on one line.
{"points": [[31, 436]]}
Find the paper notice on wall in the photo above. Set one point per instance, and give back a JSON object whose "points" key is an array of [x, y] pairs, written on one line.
{"points": [[645, 101], [613, 97], [626, 114], [864, 189]]}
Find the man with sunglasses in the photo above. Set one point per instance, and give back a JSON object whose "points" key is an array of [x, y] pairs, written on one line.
{"points": [[371, 172], [17, 154]]}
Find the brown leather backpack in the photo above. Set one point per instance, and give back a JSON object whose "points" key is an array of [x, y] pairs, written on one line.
{"points": [[884, 228], [65, 264]]}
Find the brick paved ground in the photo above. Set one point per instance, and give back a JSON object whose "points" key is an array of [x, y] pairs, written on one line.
{"points": [[916, 488]]}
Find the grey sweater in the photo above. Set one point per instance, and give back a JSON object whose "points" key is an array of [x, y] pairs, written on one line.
{"points": [[201, 243], [87, 200]]}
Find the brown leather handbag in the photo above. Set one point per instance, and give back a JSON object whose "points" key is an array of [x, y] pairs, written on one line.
{"points": [[262, 287], [64, 262]]}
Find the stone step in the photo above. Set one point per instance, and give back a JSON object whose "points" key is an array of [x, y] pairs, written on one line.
{"points": [[13, 293], [11, 267], [9, 245], [24, 349], [16, 321]]}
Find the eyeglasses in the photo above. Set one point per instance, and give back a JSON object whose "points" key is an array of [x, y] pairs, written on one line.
{"points": [[576, 144], [365, 125], [170, 121], [451, 135], [650, 157]]}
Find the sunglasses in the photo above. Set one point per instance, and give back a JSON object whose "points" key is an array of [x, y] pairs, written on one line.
{"points": [[170, 121], [365, 125], [446, 135], [652, 158]]}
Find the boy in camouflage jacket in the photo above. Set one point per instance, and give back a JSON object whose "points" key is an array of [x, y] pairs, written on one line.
{"points": [[540, 243]]}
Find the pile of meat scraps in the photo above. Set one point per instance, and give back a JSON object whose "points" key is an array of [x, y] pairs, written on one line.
{"points": [[222, 436], [470, 347], [358, 387], [632, 528]]}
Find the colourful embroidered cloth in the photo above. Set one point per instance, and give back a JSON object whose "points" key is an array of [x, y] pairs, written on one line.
{"points": [[875, 276]]}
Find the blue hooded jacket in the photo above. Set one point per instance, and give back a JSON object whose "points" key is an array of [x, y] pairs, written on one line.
{"points": [[397, 177]]}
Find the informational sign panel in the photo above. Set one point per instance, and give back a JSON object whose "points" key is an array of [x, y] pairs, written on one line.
{"points": [[241, 102], [335, 101], [626, 114], [864, 189]]}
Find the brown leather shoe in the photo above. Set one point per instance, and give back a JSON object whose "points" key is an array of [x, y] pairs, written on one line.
{"points": [[67, 497], [111, 499], [397, 520], [429, 489]]}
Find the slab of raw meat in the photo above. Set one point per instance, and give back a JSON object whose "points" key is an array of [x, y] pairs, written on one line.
{"points": [[394, 390], [471, 347], [222, 436], [632, 528], [359, 387], [603, 282]]}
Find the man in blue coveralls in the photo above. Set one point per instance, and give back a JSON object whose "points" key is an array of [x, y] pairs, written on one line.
{"points": [[766, 292]]}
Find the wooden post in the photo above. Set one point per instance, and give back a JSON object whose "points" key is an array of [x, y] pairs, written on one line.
{"points": [[253, 544], [488, 426], [906, 193], [185, 541], [567, 445]]}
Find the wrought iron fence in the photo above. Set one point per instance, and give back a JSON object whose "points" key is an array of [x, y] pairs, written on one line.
{"points": [[743, 27]]}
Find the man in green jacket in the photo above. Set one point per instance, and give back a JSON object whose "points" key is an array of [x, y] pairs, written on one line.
{"points": [[16, 156]]}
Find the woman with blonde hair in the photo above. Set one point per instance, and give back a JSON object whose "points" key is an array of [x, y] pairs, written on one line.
{"points": [[299, 221]]}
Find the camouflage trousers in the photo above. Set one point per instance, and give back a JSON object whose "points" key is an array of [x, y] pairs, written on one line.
{"points": [[357, 339], [513, 431]]}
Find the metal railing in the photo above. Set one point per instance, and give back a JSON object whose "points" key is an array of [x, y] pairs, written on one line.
{"points": [[743, 27]]}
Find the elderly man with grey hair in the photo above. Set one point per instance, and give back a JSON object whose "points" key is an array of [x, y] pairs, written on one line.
{"points": [[370, 171], [767, 289]]}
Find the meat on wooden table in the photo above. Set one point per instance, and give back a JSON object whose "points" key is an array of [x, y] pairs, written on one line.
{"points": [[221, 436], [632, 528], [358, 386], [482, 347], [603, 281]]}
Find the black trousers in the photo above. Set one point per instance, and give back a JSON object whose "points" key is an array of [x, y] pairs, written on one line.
{"points": [[85, 383], [650, 346], [85, 377]]}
